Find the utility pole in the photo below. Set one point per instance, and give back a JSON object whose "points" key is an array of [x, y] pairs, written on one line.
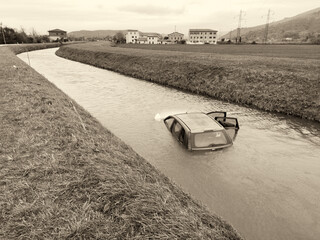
{"points": [[238, 40], [266, 28], [4, 38]]}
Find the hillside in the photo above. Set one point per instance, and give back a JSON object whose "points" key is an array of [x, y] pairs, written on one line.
{"points": [[304, 27], [99, 34]]}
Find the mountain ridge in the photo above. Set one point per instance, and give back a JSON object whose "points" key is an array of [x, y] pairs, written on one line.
{"points": [[303, 27]]}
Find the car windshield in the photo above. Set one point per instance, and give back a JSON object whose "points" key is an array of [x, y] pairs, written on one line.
{"points": [[210, 139]]}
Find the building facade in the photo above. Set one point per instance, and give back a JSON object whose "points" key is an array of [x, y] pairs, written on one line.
{"points": [[132, 36], [142, 40], [153, 39], [202, 36], [57, 34], [175, 37]]}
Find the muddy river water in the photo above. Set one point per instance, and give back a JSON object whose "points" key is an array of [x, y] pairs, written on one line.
{"points": [[267, 185]]}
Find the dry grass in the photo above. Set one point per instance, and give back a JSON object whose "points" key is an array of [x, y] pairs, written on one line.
{"points": [[62, 178], [277, 51], [19, 48], [287, 85]]}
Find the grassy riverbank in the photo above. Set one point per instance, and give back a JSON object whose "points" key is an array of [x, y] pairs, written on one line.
{"points": [[64, 176], [19, 48], [279, 82]]}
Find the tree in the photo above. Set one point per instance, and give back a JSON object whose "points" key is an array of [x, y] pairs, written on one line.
{"points": [[119, 38]]}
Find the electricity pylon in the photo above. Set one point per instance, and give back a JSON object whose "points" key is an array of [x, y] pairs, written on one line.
{"points": [[238, 40], [265, 39]]}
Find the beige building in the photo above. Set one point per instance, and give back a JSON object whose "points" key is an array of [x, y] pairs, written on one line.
{"points": [[57, 34], [142, 40], [153, 39], [175, 37], [202, 36], [132, 36]]}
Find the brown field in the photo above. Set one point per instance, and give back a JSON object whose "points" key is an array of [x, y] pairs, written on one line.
{"points": [[283, 51], [289, 85], [64, 176]]}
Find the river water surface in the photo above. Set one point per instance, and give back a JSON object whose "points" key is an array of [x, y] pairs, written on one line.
{"points": [[267, 185]]}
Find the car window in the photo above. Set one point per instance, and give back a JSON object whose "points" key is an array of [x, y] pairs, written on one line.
{"points": [[228, 122], [177, 128], [179, 133], [169, 122], [210, 139]]}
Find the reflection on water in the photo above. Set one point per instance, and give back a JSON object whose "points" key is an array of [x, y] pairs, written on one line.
{"points": [[267, 185]]}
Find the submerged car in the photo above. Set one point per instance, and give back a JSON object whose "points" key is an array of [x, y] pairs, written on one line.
{"points": [[203, 131]]}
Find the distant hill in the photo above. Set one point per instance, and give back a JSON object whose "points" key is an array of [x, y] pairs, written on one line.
{"points": [[304, 27], [99, 34]]}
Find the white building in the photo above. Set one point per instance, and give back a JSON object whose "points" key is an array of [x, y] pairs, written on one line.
{"points": [[153, 39], [132, 36], [202, 36], [175, 37], [142, 40]]}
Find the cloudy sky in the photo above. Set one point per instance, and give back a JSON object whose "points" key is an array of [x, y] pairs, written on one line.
{"points": [[163, 16]]}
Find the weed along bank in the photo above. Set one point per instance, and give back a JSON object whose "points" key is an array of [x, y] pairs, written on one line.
{"points": [[63, 175]]}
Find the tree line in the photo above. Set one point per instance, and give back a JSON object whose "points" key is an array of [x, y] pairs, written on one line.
{"points": [[10, 36]]}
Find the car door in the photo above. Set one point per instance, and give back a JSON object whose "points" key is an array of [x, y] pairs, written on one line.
{"points": [[179, 133], [231, 125], [213, 115]]}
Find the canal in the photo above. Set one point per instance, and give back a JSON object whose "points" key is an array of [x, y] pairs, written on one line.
{"points": [[267, 185]]}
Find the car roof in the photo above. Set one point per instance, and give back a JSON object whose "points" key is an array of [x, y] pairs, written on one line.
{"points": [[199, 122]]}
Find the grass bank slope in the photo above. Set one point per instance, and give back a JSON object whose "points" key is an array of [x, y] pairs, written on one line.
{"points": [[19, 48], [64, 176], [287, 85]]}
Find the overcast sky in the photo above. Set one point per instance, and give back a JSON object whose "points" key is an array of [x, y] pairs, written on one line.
{"points": [[162, 16]]}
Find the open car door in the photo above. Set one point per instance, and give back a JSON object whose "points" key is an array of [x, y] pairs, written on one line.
{"points": [[231, 125], [213, 115]]}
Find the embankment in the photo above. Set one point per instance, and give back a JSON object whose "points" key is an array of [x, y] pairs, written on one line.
{"points": [[64, 176], [284, 85], [20, 48]]}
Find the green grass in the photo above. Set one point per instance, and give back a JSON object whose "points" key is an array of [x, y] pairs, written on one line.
{"points": [[64, 176], [288, 85]]}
